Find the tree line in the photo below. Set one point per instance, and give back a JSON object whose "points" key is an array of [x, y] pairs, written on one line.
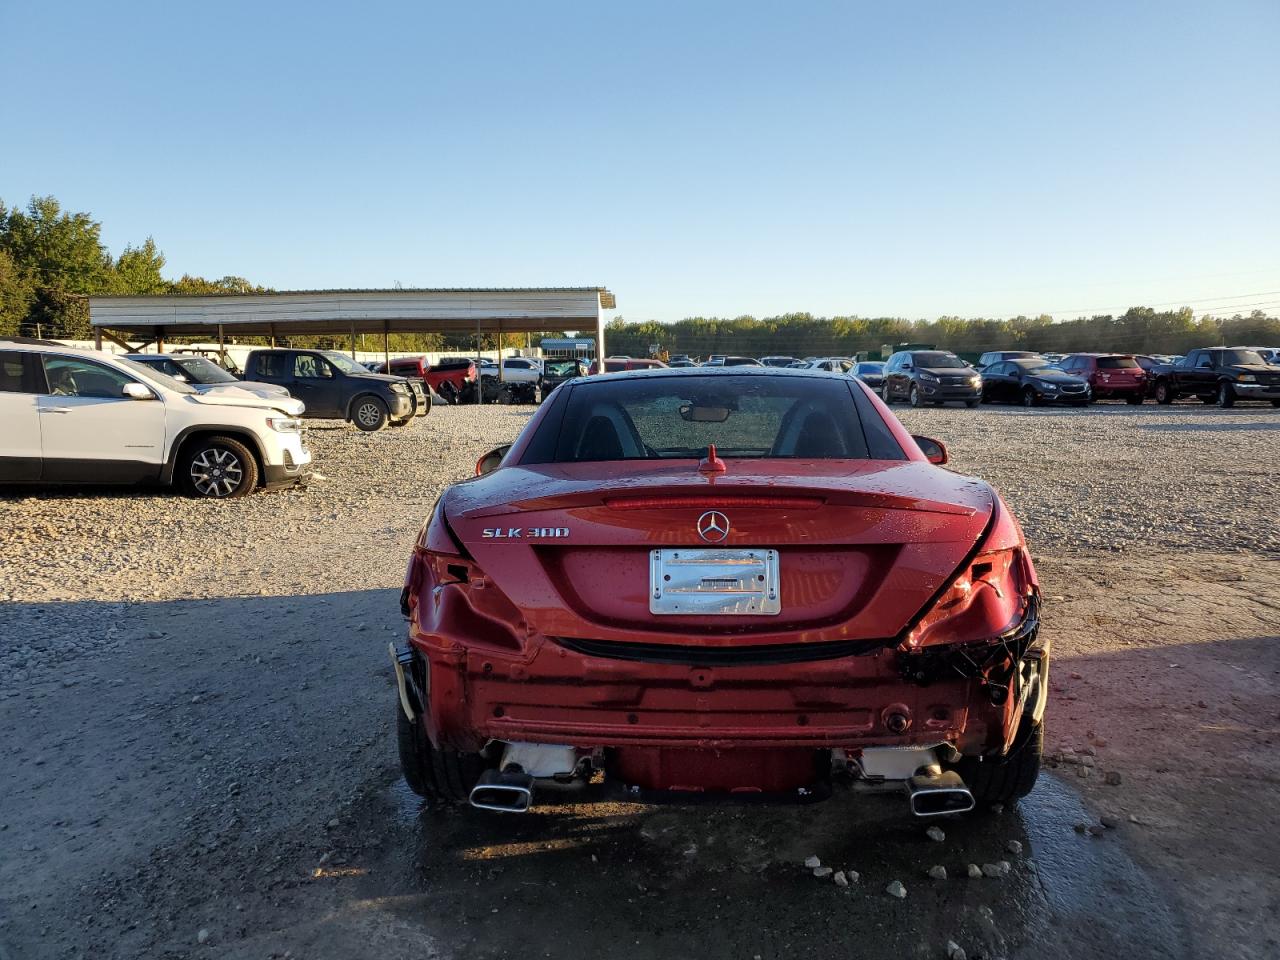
{"points": [[1137, 330], [51, 259]]}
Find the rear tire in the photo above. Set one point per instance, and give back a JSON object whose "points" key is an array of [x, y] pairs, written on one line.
{"points": [[971, 404], [1006, 779], [1134, 399], [369, 414], [444, 775], [1226, 396]]}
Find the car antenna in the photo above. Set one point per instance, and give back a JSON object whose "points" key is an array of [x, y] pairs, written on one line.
{"points": [[711, 463]]}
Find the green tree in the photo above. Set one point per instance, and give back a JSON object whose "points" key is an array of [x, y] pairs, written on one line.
{"points": [[61, 257], [137, 270], [15, 296]]}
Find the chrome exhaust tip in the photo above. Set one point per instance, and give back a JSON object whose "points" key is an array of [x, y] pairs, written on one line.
{"points": [[503, 792], [939, 795]]}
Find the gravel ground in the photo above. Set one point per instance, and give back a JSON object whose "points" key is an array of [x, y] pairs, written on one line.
{"points": [[197, 708]]}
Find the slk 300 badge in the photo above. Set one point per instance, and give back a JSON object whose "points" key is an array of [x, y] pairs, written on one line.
{"points": [[523, 533]]}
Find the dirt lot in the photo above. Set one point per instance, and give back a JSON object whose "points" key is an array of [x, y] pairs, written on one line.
{"points": [[198, 758]]}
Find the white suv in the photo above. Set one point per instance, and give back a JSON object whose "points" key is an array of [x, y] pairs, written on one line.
{"points": [[82, 416], [514, 369]]}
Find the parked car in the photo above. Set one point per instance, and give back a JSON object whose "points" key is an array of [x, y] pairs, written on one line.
{"points": [[1109, 375], [218, 357], [740, 362], [681, 363], [870, 372], [1269, 354], [833, 364], [646, 635], [1032, 382], [80, 416], [999, 356], [514, 370], [457, 372], [203, 374], [715, 360], [930, 376], [1219, 375], [333, 385], [618, 364], [777, 361], [556, 372]]}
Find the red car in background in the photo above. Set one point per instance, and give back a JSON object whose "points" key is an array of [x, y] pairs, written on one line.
{"points": [[458, 372], [618, 364], [1109, 375], [739, 582]]}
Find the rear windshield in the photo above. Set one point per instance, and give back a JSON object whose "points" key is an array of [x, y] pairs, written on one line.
{"points": [[1116, 363], [560, 368], [939, 360], [677, 417]]}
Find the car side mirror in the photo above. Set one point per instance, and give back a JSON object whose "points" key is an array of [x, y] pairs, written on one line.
{"points": [[491, 460], [136, 391], [934, 450]]}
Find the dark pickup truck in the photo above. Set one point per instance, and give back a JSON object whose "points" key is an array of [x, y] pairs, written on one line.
{"points": [[1220, 375], [333, 385]]}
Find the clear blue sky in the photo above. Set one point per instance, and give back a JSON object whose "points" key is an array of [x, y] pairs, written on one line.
{"points": [[914, 159]]}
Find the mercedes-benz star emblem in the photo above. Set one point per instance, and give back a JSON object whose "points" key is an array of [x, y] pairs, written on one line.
{"points": [[713, 526]]}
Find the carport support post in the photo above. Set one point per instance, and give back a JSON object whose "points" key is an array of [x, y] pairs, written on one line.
{"points": [[222, 345], [386, 345], [599, 336], [353, 339], [501, 377], [479, 377], [97, 338]]}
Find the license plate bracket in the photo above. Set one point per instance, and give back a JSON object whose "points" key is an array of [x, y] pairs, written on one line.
{"points": [[739, 582]]}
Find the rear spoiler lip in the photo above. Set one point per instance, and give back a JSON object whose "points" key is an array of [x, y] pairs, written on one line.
{"points": [[616, 499]]}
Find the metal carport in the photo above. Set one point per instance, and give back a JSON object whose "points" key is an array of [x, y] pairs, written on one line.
{"points": [[351, 312]]}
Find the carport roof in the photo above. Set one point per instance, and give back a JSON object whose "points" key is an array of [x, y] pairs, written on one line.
{"points": [[297, 312]]}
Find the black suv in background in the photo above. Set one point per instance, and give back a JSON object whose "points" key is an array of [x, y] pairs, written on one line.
{"points": [[930, 376], [333, 385]]}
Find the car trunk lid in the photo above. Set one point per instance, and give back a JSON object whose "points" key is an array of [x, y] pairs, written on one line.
{"points": [[858, 546]]}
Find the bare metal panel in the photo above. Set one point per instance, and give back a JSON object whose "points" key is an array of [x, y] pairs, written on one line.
{"points": [[717, 581]]}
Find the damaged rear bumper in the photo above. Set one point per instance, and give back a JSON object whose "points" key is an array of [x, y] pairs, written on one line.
{"points": [[664, 708]]}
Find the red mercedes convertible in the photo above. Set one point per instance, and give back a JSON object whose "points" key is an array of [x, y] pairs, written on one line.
{"points": [[747, 583]]}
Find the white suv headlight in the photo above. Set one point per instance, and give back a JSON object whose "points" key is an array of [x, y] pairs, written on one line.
{"points": [[925, 375], [399, 388], [285, 424]]}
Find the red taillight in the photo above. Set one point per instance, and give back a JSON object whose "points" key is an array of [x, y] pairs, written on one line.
{"points": [[989, 597], [437, 557]]}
